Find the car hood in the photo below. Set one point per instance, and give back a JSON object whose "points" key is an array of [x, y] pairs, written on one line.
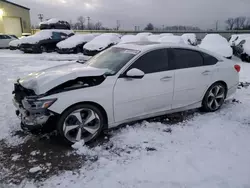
{"points": [[45, 80]]}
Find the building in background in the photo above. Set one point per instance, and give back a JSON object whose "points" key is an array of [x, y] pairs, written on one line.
{"points": [[14, 18]]}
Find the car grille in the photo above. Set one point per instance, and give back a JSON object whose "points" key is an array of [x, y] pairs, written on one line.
{"points": [[20, 92], [90, 52]]}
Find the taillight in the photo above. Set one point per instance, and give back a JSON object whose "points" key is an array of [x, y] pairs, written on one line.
{"points": [[237, 68]]}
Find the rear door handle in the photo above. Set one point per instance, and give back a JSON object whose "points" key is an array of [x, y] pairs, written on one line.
{"points": [[166, 78], [206, 72]]}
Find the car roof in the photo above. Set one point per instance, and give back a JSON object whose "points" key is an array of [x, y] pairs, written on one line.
{"points": [[147, 46]]}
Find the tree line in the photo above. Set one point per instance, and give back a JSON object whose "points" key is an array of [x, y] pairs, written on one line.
{"points": [[238, 23]]}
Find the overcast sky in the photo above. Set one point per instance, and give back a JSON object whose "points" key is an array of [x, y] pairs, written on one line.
{"points": [[201, 13]]}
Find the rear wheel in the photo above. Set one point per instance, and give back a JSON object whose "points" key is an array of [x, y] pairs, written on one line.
{"points": [[214, 97], [81, 122], [43, 49]]}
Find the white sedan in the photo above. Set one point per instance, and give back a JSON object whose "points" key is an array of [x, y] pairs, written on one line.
{"points": [[5, 40], [217, 44], [124, 83]]}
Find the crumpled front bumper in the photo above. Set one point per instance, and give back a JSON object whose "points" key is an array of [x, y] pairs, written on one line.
{"points": [[31, 118]]}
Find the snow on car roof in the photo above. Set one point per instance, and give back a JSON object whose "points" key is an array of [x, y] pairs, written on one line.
{"points": [[154, 38], [145, 34], [51, 21], [44, 34], [132, 38], [217, 44], [75, 40], [145, 46], [102, 41], [172, 39]]}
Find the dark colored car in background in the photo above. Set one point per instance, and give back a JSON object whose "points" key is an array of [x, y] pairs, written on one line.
{"points": [[44, 41], [55, 23]]}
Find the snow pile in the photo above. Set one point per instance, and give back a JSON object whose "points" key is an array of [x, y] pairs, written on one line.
{"points": [[43, 35], [102, 41], [172, 39], [51, 21], [236, 39], [218, 44], [154, 38], [75, 40], [143, 34], [132, 38], [189, 38]]}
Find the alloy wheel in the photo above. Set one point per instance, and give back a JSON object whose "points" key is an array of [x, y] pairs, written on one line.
{"points": [[216, 97], [81, 124]]}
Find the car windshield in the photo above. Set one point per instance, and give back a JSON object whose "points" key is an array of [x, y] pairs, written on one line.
{"points": [[112, 59]]}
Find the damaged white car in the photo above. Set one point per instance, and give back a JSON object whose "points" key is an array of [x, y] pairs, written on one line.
{"points": [[124, 83]]}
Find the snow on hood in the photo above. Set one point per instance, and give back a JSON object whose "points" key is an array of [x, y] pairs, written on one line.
{"points": [[45, 80], [102, 41], [43, 34], [189, 37], [15, 43], [218, 44], [143, 34], [132, 38], [75, 40], [172, 39]]}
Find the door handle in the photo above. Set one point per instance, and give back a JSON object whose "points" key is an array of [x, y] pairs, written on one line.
{"points": [[166, 78], [206, 72]]}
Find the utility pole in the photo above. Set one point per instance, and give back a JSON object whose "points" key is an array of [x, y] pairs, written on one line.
{"points": [[118, 24], [88, 18], [163, 27], [40, 17], [216, 25]]}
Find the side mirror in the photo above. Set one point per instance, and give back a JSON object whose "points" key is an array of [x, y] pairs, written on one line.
{"points": [[135, 73]]}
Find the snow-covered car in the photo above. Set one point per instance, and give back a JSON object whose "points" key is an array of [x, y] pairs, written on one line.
{"points": [[124, 83], [154, 38], [235, 39], [132, 38], [166, 34], [44, 40], [5, 40], [100, 43], [144, 34], [190, 39], [218, 44], [54, 23], [242, 49], [172, 39], [74, 44]]}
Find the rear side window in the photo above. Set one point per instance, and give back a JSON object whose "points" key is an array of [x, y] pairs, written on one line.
{"points": [[208, 59], [56, 35], [151, 62], [183, 58]]}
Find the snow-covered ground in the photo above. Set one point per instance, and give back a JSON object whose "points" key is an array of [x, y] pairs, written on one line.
{"points": [[204, 151]]}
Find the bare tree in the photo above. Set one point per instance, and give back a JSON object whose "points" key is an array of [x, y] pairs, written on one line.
{"points": [[98, 25], [239, 22], [81, 22], [230, 23]]}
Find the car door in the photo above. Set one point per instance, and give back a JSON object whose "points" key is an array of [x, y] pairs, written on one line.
{"points": [[135, 98], [4, 41], [192, 76]]}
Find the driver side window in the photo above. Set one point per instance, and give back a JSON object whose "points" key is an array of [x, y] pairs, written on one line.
{"points": [[151, 62]]}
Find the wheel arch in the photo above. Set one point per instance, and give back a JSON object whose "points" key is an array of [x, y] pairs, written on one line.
{"points": [[103, 111], [219, 81]]}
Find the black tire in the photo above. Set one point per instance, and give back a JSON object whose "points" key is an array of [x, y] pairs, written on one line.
{"points": [[207, 104], [43, 49], [66, 113]]}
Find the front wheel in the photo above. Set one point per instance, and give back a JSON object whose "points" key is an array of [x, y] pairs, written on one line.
{"points": [[214, 98], [81, 122], [43, 49]]}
